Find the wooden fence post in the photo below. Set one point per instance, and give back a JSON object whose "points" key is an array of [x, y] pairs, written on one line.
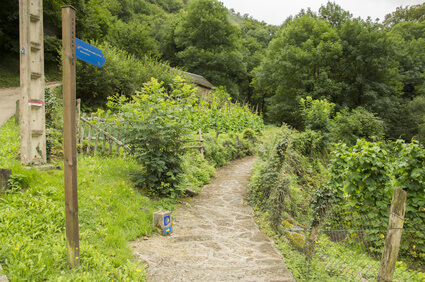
{"points": [[89, 137], [17, 112], [392, 242], [201, 149], [5, 174]]}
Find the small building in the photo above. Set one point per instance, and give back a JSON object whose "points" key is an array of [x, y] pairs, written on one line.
{"points": [[203, 84]]}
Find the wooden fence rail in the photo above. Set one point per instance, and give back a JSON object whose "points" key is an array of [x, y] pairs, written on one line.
{"points": [[96, 134], [92, 133]]}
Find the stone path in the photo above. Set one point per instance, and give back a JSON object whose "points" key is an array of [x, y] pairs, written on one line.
{"points": [[215, 237]]}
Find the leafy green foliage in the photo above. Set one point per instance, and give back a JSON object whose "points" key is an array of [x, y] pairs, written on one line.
{"points": [[54, 123], [110, 214], [207, 44], [155, 124], [283, 178], [368, 173], [300, 62], [220, 114], [225, 148], [405, 14], [349, 126], [134, 37], [122, 73], [316, 114], [363, 172]]}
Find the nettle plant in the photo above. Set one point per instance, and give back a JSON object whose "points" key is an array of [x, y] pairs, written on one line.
{"points": [[155, 123]]}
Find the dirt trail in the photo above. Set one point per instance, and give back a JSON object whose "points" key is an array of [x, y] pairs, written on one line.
{"points": [[215, 237], [8, 98]]}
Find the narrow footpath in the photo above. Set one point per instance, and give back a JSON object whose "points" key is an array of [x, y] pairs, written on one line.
{"points": [[215, 237]]}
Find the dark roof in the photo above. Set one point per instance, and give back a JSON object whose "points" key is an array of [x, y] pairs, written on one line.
{"points": [[200, 80]]}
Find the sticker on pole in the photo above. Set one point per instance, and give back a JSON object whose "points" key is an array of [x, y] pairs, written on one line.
{"points": [[88, 53], [36, 103]]}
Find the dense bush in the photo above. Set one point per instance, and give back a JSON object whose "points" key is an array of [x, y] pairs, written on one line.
{"points": [[368, 173], [218, 113], [222, 149], [348, 126], [122, 73]]}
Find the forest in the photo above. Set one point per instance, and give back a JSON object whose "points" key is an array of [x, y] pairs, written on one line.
{"points": [[365, 69]]}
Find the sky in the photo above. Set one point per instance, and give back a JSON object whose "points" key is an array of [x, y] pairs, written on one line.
{"points": [[276, 11]]}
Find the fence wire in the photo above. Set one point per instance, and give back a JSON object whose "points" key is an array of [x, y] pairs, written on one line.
{"points": [[348, 243]]}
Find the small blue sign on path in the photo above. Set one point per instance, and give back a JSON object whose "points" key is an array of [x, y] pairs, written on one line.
{"points": [[88, 53]]}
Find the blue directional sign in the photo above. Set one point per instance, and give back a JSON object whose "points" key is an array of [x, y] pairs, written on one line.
{"points": [[89, 53]]}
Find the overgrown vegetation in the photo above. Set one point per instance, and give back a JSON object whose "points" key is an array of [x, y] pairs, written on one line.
{"points": [[293, 190], [157, 123]]}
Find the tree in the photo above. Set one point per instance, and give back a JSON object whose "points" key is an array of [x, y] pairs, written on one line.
{"points": [[368, 67], [406, 14], [334, 14], [300, 62], [207, 44], [133, 37]]}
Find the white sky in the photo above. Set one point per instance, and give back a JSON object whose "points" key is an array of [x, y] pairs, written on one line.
{"points": [[276, 11]]}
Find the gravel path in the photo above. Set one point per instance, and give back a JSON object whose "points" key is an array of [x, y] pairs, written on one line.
{"points": [[215, 237], [8, 98]]}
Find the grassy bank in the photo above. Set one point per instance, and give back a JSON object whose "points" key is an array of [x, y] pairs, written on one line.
{"points": [[111, 213]]}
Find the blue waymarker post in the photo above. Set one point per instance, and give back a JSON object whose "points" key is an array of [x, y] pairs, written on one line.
{"points": [[88, 53]]}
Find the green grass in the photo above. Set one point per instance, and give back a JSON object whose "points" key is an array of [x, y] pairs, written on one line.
{"points": [[112, 212]]}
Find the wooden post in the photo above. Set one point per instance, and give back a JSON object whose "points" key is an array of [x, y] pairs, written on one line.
{"points": [[201, 149], [17, 113], [69, 135], [110, 142], [392, 242], [82, 132], [5, 174]]}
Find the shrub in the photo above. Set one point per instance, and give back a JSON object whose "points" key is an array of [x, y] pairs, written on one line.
{"points": [[122, 73], [316, 114], [348, 126]]}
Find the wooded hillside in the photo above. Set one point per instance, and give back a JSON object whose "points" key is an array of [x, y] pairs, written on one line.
{"points": [[350, 62]]}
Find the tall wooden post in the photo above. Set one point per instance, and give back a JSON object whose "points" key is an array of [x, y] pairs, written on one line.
{"points": [[69, 135], [392, 242], [33, 131]]}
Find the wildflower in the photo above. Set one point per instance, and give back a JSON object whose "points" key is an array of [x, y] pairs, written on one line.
{"points": [[127, 279], [382, 236], [16, 249], [138, 270], [76, 257]]}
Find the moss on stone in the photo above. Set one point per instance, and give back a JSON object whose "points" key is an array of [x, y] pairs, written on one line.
{"points": [[297, 240]]}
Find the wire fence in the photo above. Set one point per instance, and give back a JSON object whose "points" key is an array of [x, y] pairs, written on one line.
{"points": [[346, 243]]}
